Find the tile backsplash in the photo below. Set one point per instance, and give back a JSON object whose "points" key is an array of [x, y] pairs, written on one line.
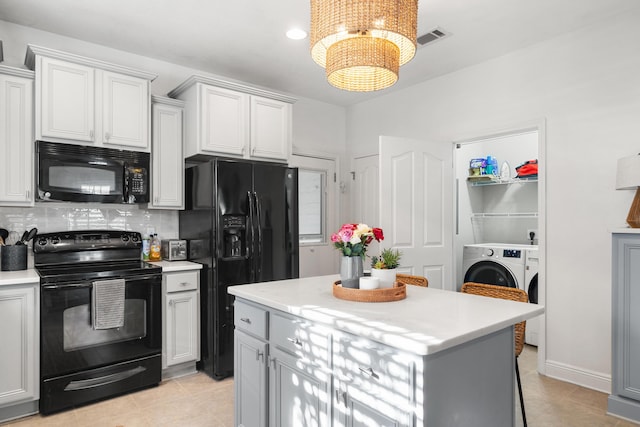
{"points": [[54, 217]]}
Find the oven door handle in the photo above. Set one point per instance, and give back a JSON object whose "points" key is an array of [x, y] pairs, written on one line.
{"points": [[90, 284], [68, 286]]}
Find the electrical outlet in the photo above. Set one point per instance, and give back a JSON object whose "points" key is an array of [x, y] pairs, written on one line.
{"points": [[534, 231]]}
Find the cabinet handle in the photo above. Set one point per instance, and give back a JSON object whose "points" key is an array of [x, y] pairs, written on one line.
{"points": [[245, 320], [369, 372], [295, 341], [91, 134], [184, 283], [253, 151], [242, 151], [259, 355], [28, 195], [170, 303], [107, 136], [341, 395]]}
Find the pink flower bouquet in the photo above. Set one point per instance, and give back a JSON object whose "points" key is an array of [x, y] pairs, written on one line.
{"points": [[352, 239]]}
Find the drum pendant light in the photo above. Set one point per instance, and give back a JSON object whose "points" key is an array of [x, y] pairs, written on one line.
{"points": [[363, 43]]}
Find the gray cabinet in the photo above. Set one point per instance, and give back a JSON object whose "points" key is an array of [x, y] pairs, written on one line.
{"points": [[250, 380], [299, 391], [374, 383], [300, 376], [250, 365], [291, 370], [624, 400]]}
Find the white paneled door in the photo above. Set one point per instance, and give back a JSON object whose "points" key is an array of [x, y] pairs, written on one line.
{"points": [[416, 206]]}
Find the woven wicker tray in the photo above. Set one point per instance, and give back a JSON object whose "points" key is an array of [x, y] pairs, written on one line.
{"points": [[397, 293]]}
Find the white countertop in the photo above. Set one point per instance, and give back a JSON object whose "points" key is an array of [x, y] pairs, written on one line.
{"points": [[425, 322], [170, 266], [19, 277]]}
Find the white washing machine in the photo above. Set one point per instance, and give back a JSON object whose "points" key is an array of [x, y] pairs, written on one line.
{"points": [[501, 264], [531, 284], [505, 264]]}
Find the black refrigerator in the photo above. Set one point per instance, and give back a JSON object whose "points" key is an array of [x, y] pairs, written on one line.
{"points": [[241, 220]]}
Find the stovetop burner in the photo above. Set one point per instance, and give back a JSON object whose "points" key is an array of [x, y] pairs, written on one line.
{"points": [[95, 271], [89, 255]]}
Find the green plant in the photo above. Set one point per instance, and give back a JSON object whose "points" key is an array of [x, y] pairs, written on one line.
{"points": [[387, 260]]}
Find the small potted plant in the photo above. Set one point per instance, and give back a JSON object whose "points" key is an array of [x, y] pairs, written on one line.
{"points": [[384, 266]]}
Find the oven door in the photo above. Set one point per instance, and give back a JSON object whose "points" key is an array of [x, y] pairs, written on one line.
{"points": [[69, 342]]}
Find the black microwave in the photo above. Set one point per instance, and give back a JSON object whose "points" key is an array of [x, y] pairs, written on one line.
{"points": [[77, 173]]}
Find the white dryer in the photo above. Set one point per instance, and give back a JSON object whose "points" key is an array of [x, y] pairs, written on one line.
{"points": [[501, 264], [531, 284]]}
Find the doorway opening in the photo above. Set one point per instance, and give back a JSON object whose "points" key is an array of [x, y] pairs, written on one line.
{"points": [[500, 211]]}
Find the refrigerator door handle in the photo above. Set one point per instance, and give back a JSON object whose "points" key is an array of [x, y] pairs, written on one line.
{"points": [[259, 227], [251, 238]]}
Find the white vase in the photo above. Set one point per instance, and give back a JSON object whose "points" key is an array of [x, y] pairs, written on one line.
{"points": [[386, 277]]}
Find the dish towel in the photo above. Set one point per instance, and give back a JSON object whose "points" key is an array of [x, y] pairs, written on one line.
{"points": [[107, 304]]}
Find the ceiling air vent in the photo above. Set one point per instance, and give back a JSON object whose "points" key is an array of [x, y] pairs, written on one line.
{"points": [[433, 36]]}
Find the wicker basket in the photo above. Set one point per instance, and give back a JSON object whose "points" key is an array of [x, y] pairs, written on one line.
{"points": [[397, 293]]}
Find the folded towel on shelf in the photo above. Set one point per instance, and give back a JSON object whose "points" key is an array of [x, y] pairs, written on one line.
{"points": [[107, 304]]}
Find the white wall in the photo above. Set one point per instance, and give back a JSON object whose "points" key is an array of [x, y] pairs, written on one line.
{"points": [[586, 85], [317, 127]]}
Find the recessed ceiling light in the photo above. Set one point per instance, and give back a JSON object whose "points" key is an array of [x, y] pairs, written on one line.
{"points": [[296, 34]]}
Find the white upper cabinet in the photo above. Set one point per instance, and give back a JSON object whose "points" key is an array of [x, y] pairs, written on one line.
{"points": [[167, 162], [66, 99], [223, 120], [270, 128], [16, 136], [125, 114], [89, 102], [226, 118]]}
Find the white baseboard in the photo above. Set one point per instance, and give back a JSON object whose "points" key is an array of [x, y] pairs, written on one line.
{"points": [[589, 379]]}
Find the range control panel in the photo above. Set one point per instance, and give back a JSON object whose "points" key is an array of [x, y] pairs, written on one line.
{"points": [[86, 240]]}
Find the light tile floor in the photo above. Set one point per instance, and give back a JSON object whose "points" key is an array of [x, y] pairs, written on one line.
{"points": [[197, 400]]}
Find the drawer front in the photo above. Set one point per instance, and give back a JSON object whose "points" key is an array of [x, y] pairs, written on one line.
{"points": [[374, 369], [250, 318], [177, 282], [297, 336]]}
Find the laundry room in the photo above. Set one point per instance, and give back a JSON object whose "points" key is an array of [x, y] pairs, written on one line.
{"points": [[497, 213]]}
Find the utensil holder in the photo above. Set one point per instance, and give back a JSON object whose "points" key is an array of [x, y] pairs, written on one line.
{"points": [[13, 257]]}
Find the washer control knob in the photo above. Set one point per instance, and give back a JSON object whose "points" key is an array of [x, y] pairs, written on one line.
{"points": [[490, 252]]}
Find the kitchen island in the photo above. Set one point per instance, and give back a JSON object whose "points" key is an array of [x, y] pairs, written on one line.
{"points": [[436, 358]]}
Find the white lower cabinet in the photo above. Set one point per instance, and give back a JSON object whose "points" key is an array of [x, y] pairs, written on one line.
{"points": [[19, 350], [181, 322]]}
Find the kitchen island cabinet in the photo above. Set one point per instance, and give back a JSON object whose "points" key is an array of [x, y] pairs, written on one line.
{"points": [[19, 348], [435, 358]]}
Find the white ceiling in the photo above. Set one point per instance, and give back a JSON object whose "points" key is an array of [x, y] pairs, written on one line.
{"points": [[244, 39]]}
